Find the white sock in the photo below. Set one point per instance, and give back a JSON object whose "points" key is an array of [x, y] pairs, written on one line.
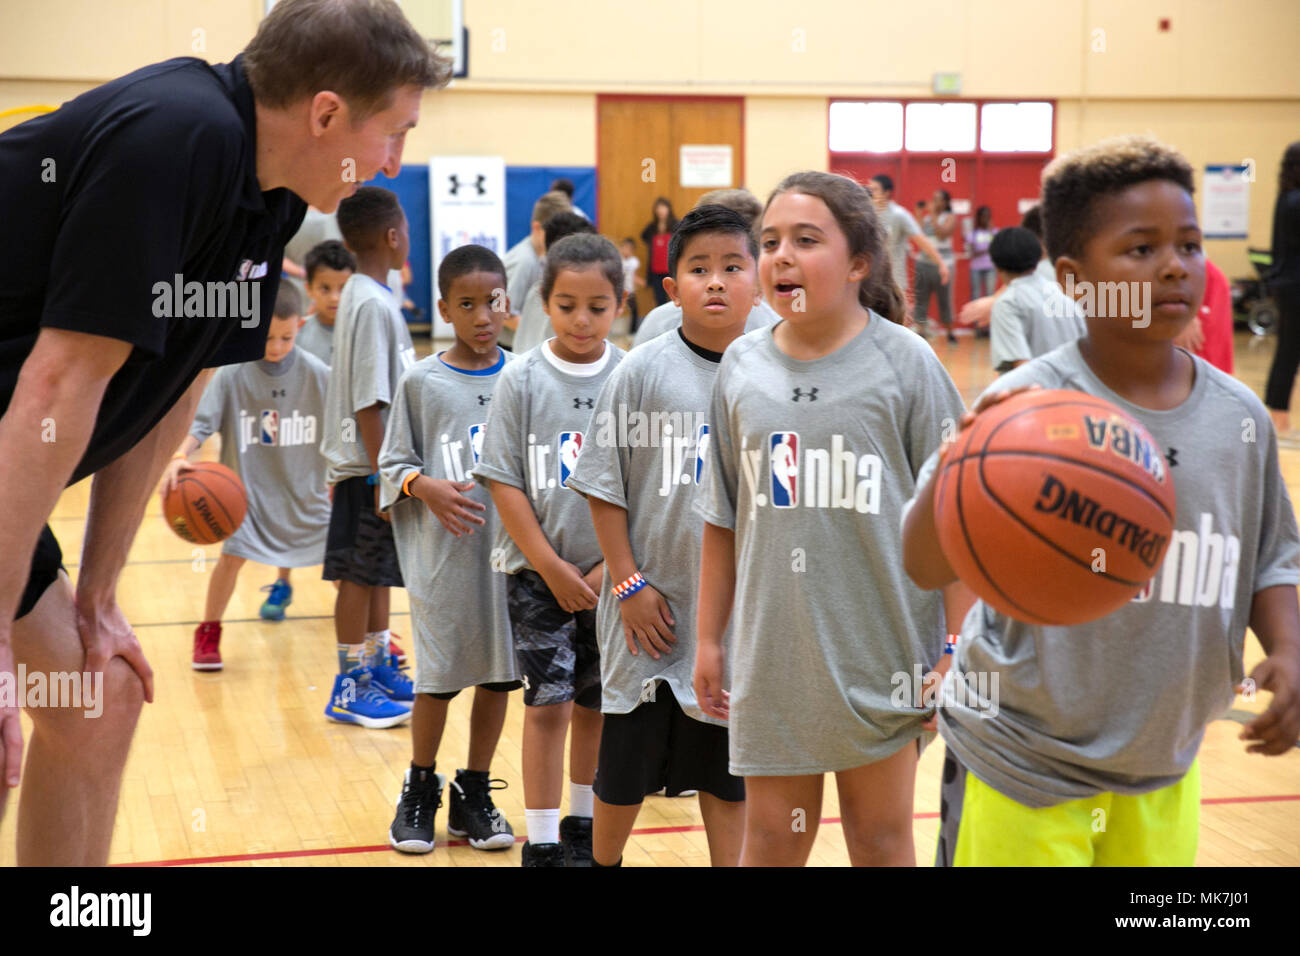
{"points": [[543, 826], [377, 648], [581, 800]]}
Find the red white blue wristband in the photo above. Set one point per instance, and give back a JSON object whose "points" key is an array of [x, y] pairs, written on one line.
{"points": [[629, 587], [951, 646]]}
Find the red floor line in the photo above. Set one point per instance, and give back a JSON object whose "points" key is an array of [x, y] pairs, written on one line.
{"points": [[640, 831]]}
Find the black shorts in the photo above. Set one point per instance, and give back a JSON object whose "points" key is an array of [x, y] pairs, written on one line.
{"points": [[557, 652], [658, 746], [360, 546], [47, 561], [503, 687]]}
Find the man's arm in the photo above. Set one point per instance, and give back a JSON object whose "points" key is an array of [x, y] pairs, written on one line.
{"points": [[925, 245], [119, 495]]}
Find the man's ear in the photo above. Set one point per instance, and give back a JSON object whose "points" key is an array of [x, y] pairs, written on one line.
{"points": [[327, 108]]}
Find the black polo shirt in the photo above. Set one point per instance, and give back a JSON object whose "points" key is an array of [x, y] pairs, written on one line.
{"points": [[147, 177]]}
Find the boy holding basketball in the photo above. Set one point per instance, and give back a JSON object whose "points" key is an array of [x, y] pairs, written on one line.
{"points": [[268, 413], [1108, 716], [372, 349]]}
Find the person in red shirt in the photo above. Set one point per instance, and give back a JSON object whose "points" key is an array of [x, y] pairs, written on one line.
{"points": [[656, 236], [1209, 334]]}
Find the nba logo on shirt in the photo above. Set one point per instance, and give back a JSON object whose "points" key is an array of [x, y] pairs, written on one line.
{"points": [[570, 447], [701, 450], [784, 467], [476, 440], [270, 426]]}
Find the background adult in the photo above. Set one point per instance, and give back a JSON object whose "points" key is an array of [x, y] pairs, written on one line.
{"points": [[656, 235], [1284, 284]]}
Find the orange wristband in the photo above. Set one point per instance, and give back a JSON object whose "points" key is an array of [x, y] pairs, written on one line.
{"points": [[406, 482]]}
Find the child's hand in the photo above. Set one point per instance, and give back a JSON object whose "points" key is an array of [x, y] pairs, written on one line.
{"points": [[175, 468], [595, 577], [569, 587], [1278, 728], [713, 700], [933, 680], [647, 619], [986, 401], [447, 501]]}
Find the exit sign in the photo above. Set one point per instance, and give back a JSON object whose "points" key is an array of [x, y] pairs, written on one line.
{"points": [[947, 84]]}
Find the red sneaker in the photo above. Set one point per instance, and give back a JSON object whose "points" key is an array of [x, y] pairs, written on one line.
{"points": [[207, 642], [394, 650]]}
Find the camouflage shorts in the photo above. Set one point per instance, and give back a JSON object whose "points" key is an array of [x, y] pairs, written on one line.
{"points": [[557, 653]]}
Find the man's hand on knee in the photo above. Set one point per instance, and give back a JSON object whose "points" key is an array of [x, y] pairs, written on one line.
{"points": [[105, 634]]}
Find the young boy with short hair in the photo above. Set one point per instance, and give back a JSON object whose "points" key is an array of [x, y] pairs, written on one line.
{"points": [[536, 430], [444, 525], [268, 414], [1109, 715], [639, 478], [328, 267], [1032, 316], [372, 349]]}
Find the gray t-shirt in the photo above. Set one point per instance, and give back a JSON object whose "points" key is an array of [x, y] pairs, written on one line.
{"points": [[523, 271], [811, 462], [372, 348], [1120, 705], [534, 323], [458, 607], [643, 456], [1046, 270], [1031, 318], [317, 339], [536, 429], [669, 316], [269, 415], [898, 224]]}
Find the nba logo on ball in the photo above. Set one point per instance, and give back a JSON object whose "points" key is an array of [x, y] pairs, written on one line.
{"points": [[270, 426], [701, 450], [476, 441], [784, 467], [570, 446]]}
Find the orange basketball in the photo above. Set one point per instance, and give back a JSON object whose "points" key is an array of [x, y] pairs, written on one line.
{"points": [[207, 504], [1054, 507]]}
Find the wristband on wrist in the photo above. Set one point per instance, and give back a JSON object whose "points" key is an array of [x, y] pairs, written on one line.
{"points": [[629, 587], [951, 644], [372, 479], [406, 482]]}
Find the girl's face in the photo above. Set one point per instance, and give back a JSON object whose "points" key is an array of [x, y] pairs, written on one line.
{"points": [[582, 307], [804, 263], [662, 210], [938, 202]]}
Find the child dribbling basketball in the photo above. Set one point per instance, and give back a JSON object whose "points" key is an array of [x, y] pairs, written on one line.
{"points": [[535, 432], [1090, 758], [268, 414], [819, 425]]}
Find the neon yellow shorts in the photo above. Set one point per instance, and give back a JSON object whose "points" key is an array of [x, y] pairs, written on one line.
{"points": [[1160, 828]]}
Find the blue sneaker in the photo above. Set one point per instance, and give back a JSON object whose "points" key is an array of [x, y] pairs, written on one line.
{"points": [[355, 700], [281, 597], [392, 680]]}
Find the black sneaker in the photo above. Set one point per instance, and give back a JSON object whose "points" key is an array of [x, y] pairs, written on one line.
{"points": [[575, 835], [473, 814], [412, 829], [543, 854]]}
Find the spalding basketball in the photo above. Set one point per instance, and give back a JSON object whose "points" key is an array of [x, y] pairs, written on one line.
{"points": [[207, 504], [1054, 507]]}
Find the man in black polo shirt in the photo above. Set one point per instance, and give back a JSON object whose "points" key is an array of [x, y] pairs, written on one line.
{"points": [[177, 173]]}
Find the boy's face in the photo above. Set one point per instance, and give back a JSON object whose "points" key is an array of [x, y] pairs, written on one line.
{"points": [[476, 305], [804, 262], [628, 250], [1149, 240], [582, 307], [399, 243], [280, 337], [717, 280], [325, 287], [878, 194], [346, 154]]}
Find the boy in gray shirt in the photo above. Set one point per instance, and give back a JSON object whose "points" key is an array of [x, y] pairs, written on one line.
{"points": [[269, 415], [523, 260], [537, 427], [1032, 316], [329, 265], [639, 473], [663, 318], [372, 349], [444, 525], [1109, 715]]}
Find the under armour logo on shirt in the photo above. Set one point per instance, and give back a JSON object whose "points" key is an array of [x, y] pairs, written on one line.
{"points": [[1171, 456], [484, 399], [583, 402], [278, 392], [799, 393], [478, 184]]}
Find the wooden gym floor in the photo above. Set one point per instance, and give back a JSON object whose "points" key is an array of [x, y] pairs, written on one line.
{"points": [[241, 767]]}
